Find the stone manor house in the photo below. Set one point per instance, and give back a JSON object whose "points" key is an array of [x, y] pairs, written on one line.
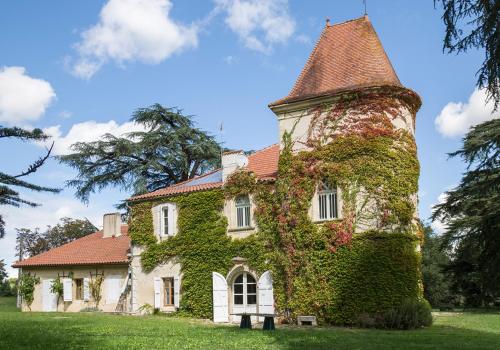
{"points": [[348, 56]]}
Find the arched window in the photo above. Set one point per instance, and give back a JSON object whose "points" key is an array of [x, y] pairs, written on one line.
{"points": [[245, 290], [242, 211], [328, 201]]}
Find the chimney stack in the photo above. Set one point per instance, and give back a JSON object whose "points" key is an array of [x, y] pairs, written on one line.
{"points": [[232, 161], [111, 225]]}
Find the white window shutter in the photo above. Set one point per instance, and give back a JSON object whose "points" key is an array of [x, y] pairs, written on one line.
{"points": [[265, 293], [157, 224], [171, 220], [86, 289], [67, 289], [220, 298], [177, 290], [158, 284]]}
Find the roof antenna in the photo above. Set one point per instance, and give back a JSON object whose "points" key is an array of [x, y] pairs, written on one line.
{"points": [[221, 143], [364, 2]]}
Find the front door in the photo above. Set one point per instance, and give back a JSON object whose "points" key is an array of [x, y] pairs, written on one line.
{"points": [[49, 299], [244, 295]]}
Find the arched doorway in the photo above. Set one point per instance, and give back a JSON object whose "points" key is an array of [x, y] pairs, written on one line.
{"points": [[241, 292], [244, 293]]}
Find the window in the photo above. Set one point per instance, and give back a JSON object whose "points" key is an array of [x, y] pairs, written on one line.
{"points": [[165, 216], [245, 290], [327, 197], [164, 221], [242, 211], [168, 290], [78, 288]]}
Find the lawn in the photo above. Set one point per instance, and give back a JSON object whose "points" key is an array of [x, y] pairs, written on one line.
{"points": [[99, 331]]}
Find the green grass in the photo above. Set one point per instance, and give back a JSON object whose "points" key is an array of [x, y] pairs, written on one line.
{"points": [[100, 331]]}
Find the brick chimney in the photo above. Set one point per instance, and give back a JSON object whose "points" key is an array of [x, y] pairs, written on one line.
{"points": [[111, 225]]}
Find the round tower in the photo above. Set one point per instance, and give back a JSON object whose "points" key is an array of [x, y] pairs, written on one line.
{"points": [[348, 181]]}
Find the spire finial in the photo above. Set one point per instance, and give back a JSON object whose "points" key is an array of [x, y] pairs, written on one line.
{"points": [[364, 3], [327, 21]]}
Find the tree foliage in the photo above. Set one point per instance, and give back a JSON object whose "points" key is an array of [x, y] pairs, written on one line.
{"points": [[471, 211], [169, 150], [435, 261], [475, 24], [9, 195], [27, 284], [35, 242]]}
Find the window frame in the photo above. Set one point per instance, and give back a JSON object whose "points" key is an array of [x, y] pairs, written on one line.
{"points": [[167, 213], [243, 209], [244, 294], [78, 288], [171, 290], [328, 201], [164, 220]]}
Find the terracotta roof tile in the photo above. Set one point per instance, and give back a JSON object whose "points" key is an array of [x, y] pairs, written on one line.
{"points": [[264, 163], [89, 250], [347, 55]]}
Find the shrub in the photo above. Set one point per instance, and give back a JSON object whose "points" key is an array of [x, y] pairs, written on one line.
{"points": [[27, 288], [410, 314]]}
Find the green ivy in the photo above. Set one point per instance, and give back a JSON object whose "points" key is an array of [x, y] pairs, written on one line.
{"points": [[330, 270], [27, 284], [201, 245]]}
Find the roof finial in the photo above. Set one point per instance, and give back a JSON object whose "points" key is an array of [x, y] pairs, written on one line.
{"points": [[327, 21], [364, 2]]}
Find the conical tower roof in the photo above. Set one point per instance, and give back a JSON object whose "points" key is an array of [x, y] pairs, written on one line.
{"points": [[347, 56]]}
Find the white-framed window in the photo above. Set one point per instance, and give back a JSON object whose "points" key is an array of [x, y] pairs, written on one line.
{"points": [[242, 211], [166, 219], [245, 290], [327, 201]]}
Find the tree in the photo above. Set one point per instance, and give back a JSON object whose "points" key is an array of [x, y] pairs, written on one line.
{"points": [[169, 150], [476, 24], [9, 196], [471, 211], [3, 272], [434, 262], [67, 230]]}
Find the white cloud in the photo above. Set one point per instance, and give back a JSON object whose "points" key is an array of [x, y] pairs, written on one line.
{"points": [[53, 208], [303, 39], [22, 97], [455, 119], [438, 225], [85, 132], [229, 59], [132, 30], [259, 23]]}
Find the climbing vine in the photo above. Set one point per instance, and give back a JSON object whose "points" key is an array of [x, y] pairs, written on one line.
{"points": [[201, 245], [365, 262], [27, 284]]}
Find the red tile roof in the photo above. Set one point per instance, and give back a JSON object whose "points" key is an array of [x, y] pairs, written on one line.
{"points": [[89, 250], [347, 56], [181, 187], [264, 163]]}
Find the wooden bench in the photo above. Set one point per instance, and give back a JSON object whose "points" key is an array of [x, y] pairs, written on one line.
{"points": [[246, 321]]}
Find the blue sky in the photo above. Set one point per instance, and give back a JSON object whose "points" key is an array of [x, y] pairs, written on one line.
{"points": [[81, 68]]}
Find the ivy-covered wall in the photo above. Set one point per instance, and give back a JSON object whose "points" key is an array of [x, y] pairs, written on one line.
{"points": [[337, 270], [201, 245]]}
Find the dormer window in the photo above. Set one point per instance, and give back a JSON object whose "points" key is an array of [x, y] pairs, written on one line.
{"points": [[328, 201], [242, 211]]}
